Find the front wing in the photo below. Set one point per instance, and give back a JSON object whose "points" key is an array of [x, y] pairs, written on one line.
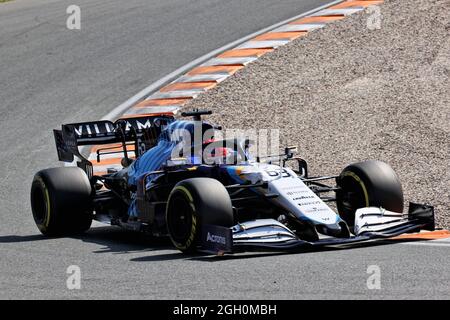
{"points": [[371, 224]]}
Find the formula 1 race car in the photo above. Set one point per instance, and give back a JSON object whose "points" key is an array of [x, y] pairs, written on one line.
{"points": [[234, 203]]}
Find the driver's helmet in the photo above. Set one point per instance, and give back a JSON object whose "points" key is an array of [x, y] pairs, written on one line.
{"points": [[183, 135]]}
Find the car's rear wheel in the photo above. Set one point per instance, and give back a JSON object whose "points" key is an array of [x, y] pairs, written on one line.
{"points": [[61, 201], [192, 204], [368, 184]]}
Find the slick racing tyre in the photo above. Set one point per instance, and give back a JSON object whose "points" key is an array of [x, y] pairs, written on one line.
{"points": [[61, 201], [367, 184], [193, 203]]}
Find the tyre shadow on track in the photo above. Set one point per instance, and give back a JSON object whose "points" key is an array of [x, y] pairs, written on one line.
{"points": [[119, 241], [17, 239], [111, 239]]}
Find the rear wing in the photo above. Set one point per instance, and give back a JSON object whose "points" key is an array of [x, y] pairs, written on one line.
{"points": [[142, 131]]}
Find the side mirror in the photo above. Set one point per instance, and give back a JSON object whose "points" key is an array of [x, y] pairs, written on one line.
{"points": [[289, 151]]}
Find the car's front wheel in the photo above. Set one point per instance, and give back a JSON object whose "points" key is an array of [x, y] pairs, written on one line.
{"points": [[368, 184], [192, 204]]}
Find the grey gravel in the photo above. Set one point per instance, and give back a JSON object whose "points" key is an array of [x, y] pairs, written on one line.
{"points": [[346, 93]]}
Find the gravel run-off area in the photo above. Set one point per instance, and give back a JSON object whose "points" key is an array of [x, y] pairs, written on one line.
{"points": [[347, 93]]}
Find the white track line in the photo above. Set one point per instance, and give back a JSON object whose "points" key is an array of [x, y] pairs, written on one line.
{"points": [[263, 44], [336, 12], [229, 61], [203, 77], [299, 27]]}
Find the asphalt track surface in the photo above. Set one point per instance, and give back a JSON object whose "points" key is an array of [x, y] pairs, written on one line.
{"points": [[50, 75]]}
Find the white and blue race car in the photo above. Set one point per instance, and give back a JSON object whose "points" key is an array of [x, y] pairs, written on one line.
{"points": [[233, 203]]}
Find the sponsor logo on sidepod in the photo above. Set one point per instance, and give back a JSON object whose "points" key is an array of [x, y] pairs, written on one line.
{"points": [[215, 238]]}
